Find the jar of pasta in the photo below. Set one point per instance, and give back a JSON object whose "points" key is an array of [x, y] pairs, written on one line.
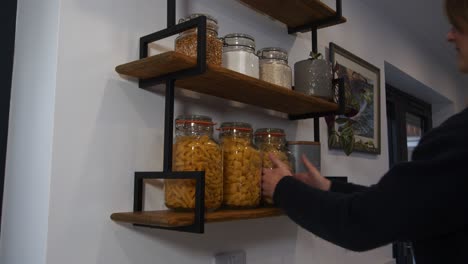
{"points": [[242, 165], [186, 42], [272, 140], [195, 150]]}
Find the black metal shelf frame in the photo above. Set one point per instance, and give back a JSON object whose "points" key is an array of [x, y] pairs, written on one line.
{"points": [[169, 79], [317, 24]]}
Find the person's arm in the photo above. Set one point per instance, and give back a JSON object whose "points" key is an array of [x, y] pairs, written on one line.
{"points": [[314, 178], [414, 200], [346, 187]]}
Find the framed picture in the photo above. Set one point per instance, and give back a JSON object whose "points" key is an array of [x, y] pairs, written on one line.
{"points": [[359, 128]]}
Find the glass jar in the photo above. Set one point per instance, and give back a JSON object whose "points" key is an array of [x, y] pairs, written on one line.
{"points": [[239, 54], [274, 67], [186, 42], [195, 150], [242, 165], [272, 140]]}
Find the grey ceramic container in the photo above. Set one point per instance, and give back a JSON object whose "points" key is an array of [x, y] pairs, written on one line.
{"points": [[313, 77]]}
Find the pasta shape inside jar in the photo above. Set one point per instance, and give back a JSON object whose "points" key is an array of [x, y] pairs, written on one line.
{"points": [[272, 141], [242, 173], [195, 153]]}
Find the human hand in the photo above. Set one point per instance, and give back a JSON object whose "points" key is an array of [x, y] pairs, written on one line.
{"points": [[271, 177], [313, 177]]}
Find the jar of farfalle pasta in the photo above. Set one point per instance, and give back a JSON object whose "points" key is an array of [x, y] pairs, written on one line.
{"points": [[195, 150], [242, 166], [272, 141]]}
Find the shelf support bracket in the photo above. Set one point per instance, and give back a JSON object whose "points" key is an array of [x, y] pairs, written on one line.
{"points": [[198, 225], [320, 23], [200, 24]]}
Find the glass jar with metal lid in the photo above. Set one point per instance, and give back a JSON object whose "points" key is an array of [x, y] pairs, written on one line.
{"points": [[274, 66], [242, 165], [239, 54], [186, 42], [272, 141], [195, 150]]}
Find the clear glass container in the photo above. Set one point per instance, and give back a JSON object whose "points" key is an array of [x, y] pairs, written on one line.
{"points": [[239, 54], [186, 42], [274, 67], [272, 140], [195, 150], [242, 165]]}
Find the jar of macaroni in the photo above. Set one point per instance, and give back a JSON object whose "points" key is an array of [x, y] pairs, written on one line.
{"points": [[274, 67], [242, 166], [272, 141], [186, 42], [195, 149]]}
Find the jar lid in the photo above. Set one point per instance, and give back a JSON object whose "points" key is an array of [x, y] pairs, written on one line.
{"points": [[193, 16], [273, 132], [239, 39], [273, 53], [195, 119], [241, 126]]}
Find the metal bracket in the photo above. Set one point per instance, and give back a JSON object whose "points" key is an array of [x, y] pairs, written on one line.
{"points": [[198, 225], [339, 97], [319, 23], [200, 68]]}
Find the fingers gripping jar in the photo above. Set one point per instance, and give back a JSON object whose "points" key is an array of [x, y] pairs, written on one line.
{"points": [[195, 150], [274, 67], [242, 166], [272, 141], [186, 42]]}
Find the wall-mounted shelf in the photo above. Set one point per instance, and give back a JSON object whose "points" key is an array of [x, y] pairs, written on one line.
{"points": [[197, 75], [168, 218], [299, 15], [221, 82]]}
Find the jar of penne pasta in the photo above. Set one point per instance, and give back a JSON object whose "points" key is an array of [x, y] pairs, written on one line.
{"points": [[195, 150], [272, 141], [242, 166]]}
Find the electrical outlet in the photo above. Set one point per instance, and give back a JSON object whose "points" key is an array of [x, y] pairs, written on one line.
{"points": [[236, 257]]}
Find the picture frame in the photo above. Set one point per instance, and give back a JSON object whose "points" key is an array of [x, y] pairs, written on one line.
{"points": [[359, 128]]}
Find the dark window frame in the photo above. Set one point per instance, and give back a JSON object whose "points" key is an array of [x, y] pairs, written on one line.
{"points": [[398, 104], [7, 46]]}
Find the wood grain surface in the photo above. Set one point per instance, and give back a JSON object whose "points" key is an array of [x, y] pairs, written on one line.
{"points": [[224, 83], [294, 13], [169, 218]]}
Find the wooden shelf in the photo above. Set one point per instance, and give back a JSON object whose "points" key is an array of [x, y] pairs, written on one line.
{"points": [[221, 82], [168, 218], [295, 13]]}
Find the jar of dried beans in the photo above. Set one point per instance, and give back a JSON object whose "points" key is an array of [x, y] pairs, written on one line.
{"points": [[274, 67], [186, 42], [195, 150], [272, 141], [242, 165]]}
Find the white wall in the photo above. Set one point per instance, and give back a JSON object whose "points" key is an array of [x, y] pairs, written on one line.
{"points": [[29, 153], [105, 129]]}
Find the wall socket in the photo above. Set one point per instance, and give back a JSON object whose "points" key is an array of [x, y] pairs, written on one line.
{"points": [[235, 257]]}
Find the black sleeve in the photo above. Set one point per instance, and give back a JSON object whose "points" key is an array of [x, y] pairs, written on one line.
{"points": [[414, 200], [346, 187]]}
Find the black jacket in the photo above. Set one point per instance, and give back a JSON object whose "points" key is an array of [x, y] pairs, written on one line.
{"points": [[424, 201]]}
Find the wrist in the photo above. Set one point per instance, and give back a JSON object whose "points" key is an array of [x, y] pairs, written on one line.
{"points": [[326, 184]]}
